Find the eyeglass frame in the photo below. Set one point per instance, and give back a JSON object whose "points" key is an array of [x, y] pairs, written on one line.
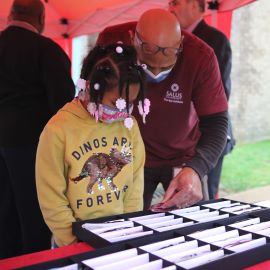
{"points": [[162, 49]]}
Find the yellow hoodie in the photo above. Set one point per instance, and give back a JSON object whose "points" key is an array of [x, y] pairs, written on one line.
{"points": [[73, 152]]}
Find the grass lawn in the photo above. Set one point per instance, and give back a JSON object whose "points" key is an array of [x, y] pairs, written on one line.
{"points": [[248, 166]]}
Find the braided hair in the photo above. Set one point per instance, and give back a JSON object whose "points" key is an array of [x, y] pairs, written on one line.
{"points": [[112, 66]]}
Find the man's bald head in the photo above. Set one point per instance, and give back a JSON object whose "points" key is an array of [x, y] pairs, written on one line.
{"points": [[159, 27], [30, 11]]}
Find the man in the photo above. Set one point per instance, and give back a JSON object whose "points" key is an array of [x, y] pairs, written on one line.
{"points": [[35, 82], [187, 125], [190, 16]]}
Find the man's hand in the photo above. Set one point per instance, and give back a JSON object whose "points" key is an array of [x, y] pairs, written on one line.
{"points": [[184, 190]]}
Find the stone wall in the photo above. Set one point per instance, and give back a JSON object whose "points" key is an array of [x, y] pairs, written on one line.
{"points": [[250, 97]]}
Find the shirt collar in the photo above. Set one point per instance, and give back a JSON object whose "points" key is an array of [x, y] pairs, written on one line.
{"points": [[191, 28], [24, 25]]}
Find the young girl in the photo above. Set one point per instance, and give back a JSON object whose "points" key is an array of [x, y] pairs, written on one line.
{"points": [[91, 155]]}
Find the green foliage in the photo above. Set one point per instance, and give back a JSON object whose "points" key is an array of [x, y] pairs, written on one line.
{"points": [[248, 166]]}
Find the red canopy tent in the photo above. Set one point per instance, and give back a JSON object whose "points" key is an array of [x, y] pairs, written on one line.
{"points": [[66, 19]]}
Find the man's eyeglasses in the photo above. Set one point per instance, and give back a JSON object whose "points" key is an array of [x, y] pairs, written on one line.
{"points": [[151, 48]]}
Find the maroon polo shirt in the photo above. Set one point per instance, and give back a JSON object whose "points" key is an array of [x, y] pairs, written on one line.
{"points": [[192, 89]]}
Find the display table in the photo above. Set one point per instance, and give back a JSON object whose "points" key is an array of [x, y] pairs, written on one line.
{"points": [[260, 266], [44, 256], [258, 220], [53, 254]]}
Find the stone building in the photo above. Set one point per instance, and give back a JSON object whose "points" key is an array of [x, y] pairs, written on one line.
{"points": [[250, 97]]}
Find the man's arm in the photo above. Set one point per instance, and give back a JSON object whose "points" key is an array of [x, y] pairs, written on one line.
{"points": [[211, 144], [211, 106], [185, 188]]}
